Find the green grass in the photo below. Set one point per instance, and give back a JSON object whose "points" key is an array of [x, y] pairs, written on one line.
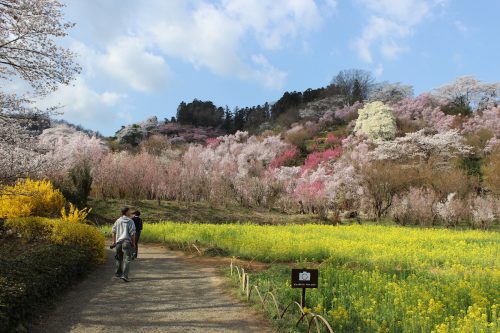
{"points": [[105, 212]]}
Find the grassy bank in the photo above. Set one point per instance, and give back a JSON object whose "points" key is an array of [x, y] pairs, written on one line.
{"points": [[372, 278], [105, 212]]}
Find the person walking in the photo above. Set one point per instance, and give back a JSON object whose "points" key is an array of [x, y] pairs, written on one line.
{"points": [[136, 217], [124, 241]]}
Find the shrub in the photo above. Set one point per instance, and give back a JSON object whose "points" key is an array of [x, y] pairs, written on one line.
{"points": [[59, 232], [298, 135], [30, 198], [78, 234], [491, 171], [74, 214], [26, 282], [29, 229]]}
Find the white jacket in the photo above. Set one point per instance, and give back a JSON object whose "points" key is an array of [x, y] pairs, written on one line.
{"points": [[124, 228]]}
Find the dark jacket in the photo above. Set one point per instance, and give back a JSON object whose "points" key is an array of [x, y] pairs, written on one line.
{"points": [[138, 223]]}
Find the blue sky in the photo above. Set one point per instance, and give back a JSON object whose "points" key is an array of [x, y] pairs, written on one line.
{"points": [[141, 58]]}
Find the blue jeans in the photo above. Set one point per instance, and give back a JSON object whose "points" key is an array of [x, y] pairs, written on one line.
{"points": [[123, 258]]}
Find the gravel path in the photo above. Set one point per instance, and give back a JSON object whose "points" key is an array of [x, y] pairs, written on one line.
{"points": [[167, 293]]}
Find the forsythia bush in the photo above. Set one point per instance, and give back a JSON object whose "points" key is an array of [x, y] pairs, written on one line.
{"points": [[30, 198], [83, 235], [62, 232], [74, 214]]}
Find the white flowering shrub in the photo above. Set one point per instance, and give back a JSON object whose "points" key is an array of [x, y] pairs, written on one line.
{"points": [[377, 121]]}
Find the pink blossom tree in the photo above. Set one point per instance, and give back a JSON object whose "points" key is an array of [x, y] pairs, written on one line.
{"points": [[424, 111]]}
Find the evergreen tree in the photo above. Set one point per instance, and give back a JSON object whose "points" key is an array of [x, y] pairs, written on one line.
{"points": [[227, 125]]}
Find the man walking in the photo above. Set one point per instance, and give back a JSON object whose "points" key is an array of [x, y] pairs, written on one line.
{"points": [[138, 228], [124, 240]]}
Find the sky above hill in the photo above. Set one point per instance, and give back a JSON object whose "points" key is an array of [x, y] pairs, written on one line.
{"points": [[142, 58]]}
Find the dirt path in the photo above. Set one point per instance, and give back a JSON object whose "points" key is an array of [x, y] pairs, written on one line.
{"points": [[167, 293]]}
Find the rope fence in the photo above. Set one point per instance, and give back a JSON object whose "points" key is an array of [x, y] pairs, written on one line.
{"points": [[268, 301]]}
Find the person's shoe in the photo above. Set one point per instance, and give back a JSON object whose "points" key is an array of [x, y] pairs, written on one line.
{"points": [[125, 279]]}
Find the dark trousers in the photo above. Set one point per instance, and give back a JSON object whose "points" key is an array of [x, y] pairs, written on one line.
{"points": [[137, 236]]}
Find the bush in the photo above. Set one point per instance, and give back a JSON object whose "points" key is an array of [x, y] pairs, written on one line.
{"points": [[74, 214], [29, 229], [28, 280], [30, 198], [82, 235], [491, 170], [59, 232]]}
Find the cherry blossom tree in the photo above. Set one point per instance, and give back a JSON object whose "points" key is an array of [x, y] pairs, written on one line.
{"points": [[488, 119], [29, 51], [390, 93], [424, 111], [123, 175], [20, 153], [28, 48], [420, 147], [483, 212], [417, 207], [468, 92]]}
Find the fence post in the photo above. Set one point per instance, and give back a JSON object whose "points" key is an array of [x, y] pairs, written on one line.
{"points": [[243, 279], [248, 286]]}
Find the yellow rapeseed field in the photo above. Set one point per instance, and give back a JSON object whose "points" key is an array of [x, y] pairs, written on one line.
{"points": [[373, 278]]}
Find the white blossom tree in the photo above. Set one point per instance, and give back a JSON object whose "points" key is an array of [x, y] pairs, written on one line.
{"points": [[390, 93], [467, 91], [28, 51], [377, 121], [420, 146]]}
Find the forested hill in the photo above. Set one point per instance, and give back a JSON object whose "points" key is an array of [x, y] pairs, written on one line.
{"points": [[197, 120]]}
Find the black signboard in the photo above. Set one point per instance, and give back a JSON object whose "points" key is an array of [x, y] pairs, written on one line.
{"points": [[305, 278]]}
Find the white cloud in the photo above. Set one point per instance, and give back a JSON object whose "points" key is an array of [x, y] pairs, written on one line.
{"points": [[213, 35], [128, 61], [390, 23], [267, 74], [129, 45], [204, 37], [274, 21], [80, 104]]}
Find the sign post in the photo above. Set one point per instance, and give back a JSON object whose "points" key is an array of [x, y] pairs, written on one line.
{"points": [[304, 278]]}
